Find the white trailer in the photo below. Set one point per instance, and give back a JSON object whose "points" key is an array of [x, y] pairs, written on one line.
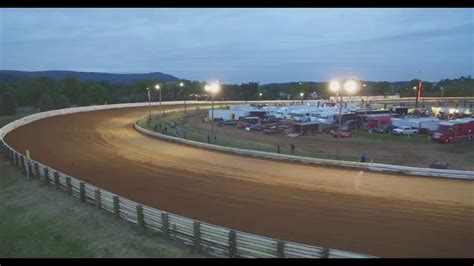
{"points": [[400, 122], [226, 114], [421, 123], [431, 124]]}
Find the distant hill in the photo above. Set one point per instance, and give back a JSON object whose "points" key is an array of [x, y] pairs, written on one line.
{"points": [[13, 76]]}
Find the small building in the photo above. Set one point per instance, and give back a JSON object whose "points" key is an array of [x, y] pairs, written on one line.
{"points": [[306, 128]]}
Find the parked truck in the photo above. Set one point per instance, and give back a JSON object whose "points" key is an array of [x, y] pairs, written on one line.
{"points": [[454, 131], [405, 131]]}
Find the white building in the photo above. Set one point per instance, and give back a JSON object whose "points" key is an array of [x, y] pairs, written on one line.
{"points": [[235, 112]]}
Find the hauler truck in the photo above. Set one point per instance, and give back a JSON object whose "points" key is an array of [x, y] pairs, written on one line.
{"points": [[455, 130]]}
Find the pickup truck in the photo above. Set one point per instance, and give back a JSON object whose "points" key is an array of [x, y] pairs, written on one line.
{"points": [[405, 131], [254, 128]]}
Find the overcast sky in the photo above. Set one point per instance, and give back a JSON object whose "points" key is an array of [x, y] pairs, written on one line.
{"points": [[241, 45]]}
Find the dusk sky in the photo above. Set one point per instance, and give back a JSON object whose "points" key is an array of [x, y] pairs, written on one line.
{"points": [[242, 45]]}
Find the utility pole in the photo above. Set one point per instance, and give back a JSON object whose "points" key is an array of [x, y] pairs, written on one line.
{"points": [[212, 118], [418, 91], [340, 122], [149, 104]]}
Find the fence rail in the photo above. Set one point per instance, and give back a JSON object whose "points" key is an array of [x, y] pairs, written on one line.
{"points": [[211, 239]]}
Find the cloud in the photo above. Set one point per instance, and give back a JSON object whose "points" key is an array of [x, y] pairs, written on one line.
{"points": [[241, 44]]}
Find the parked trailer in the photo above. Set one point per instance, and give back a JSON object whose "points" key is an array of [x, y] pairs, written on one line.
{"points": [[425, 124], [226, 114], [379, 120], [428, 124], [455, 130], [306, 128], [400, 122]]}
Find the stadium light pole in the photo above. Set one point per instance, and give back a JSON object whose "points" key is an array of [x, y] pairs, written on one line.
{"points": [[149, 104], [181, 84], [157, 86], [302, 94], [350, 87], [213, 89], [259, 96], [414, 99]]}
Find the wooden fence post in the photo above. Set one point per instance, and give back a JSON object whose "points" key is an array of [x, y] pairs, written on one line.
{"points": [[140, 216], [97, 198], [82, 191], [68, 185], [281, 249], [325, 253], [232, 244], [22, 164], [197, 236], [56, 179], [37, 171], [116, 206], [25, 166], [30, 168], [46, 175], [165, 224]]}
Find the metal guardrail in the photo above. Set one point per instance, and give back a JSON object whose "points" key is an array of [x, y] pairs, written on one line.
{"points": [[208, 238]]}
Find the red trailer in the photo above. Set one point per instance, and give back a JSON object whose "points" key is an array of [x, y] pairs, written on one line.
{"points": [[379, 120], [455, 130]]}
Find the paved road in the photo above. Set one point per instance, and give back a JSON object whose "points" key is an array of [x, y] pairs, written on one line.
{"points": [[371, 213]]}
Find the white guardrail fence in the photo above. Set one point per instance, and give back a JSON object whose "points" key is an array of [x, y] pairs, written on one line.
{"points": [[207, 238], [211, 239]]}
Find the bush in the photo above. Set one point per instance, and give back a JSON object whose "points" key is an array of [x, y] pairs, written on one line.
{"points": [[7, 104], [62, 101], [45, 102]]}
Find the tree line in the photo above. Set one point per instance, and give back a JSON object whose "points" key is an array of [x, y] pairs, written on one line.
{"points": [[45, 93]]}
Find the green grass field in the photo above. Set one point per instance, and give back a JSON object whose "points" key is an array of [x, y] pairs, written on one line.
{"points": [[36, 221], [360, 135], [201, 136]]}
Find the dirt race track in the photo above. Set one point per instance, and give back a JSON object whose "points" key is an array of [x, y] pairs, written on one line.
{"points": [[371, 213]]}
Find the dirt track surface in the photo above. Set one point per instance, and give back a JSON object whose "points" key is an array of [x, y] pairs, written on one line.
{"points": [[371, 213]]}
